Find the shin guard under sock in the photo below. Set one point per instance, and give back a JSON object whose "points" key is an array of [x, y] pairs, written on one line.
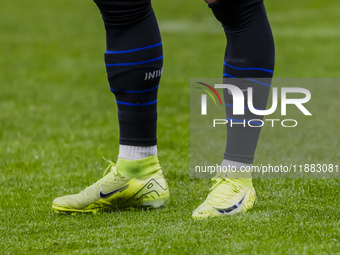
{"points": [[134, 60], [249, 55]]}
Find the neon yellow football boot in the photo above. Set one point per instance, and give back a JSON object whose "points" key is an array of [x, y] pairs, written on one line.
{"points": [[227, 196], [120, 188]]}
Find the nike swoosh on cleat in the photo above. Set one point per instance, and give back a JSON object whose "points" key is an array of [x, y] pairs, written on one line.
{"points": [[231, 208], [106, 195]]}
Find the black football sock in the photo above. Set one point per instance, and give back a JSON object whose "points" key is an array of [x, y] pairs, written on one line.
{"points": [[134, 60], [249, 55]]}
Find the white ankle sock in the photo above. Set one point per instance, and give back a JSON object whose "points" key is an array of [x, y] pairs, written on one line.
{"points": [[136, 152], [236, 165]]}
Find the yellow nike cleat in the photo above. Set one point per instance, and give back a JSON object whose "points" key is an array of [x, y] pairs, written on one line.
{"points": [[227, 196], [118, 189]]}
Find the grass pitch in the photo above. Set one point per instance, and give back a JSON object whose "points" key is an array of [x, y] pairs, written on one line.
{"points": [[58, 118]]}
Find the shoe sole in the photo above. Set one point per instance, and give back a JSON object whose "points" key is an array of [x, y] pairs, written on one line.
{"points": [[151, 204]]}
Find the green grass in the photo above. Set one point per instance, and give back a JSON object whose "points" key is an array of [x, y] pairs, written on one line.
{"points": [[58, 118]]}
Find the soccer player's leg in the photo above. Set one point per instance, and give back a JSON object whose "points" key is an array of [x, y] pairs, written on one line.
{"points": [[249, 55], [134, 60]]}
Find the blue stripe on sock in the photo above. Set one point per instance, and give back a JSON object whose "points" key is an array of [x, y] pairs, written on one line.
{"points": [[132, 50], [259, 82], [141, 104], [135, 91], [135, 63], [250, 68], [253, 80], [228, 75]]}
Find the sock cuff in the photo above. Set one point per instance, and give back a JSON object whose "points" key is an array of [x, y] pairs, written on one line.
{"points": [[240, 167], [139, 167], [130, 152]]}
